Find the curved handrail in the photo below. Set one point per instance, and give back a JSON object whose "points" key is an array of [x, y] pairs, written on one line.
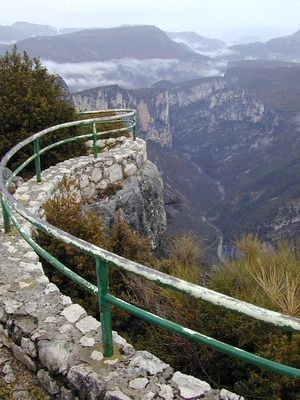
{"points": [[103, 258]]}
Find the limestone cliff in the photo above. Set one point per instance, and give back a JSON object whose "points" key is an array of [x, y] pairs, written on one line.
{"points": [[152, 107], [122, 180], [140, 204], [243, 150]]}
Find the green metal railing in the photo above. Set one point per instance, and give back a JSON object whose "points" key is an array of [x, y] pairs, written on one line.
{"points": [[11, 207]]}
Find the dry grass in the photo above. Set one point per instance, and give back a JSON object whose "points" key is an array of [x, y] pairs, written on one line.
{"points": [[263, 275]]}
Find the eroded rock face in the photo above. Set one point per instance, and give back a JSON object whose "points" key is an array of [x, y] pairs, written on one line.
{"points": [[121, 181], [140, 204], [242, 141]]}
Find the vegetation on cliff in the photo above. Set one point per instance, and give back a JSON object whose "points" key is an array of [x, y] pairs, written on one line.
{"points": [[261, 275], [31, 100]]}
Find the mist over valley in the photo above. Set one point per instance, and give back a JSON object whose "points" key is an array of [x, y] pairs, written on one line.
{"points": [[221, 121]]}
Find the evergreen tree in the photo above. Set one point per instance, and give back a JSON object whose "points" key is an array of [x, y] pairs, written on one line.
{"points": [[31, 99]]}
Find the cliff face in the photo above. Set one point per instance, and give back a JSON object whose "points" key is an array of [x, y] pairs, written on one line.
{"points": [[122, 181], [211, 102], [140, 204], [242, 152], [152, 108]]}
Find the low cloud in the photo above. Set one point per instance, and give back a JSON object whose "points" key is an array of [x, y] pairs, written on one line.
{"points": [[296, 119], [127, 73]]}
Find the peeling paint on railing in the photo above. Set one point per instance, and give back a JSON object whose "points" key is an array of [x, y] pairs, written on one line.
{"points": [[9, 203]]}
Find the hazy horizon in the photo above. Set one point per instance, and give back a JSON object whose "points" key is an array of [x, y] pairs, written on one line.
{"points": [[213, 18]]}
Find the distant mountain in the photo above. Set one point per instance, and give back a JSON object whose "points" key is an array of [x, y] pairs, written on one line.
{"points": [[277, 83], [22, 30], [285, 48], [138, 42], [132, 56], [227, 147], [197, 43], [249, 34]]}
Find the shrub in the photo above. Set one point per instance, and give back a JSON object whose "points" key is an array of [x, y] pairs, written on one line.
{"points": [[65, 211], [31, 99], [247, 278], [262, 275]]}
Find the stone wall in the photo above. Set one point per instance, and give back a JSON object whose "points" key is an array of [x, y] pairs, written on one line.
{"points": [[57, 339]]}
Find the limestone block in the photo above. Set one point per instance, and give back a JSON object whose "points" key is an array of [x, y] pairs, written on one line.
{"points": [[54, 355], [138, 383], [226, 395], [89, 191], [48, 383], [83, 379], [65, 300], [108, 162], [65, 328], [190, 386], [130, 169], [4, 337], [115, 173], [103, 184], [87, 341], [101, 143], [50, 288], [145, 362], [28, 346], [97, 355], [66, 394], [140, 160], [11, 305], [96, 175], [3, 290], [73, 312], [116, 395], [8, 373], [165, 392], [84, 181], [32, 266], [87, 324], [23, 357], [30, 307]]}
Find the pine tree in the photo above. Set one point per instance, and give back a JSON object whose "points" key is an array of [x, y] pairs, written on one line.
{"points": [[31, 99]]}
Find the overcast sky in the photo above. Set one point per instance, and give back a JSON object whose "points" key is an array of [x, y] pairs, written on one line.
{"points": [[210, 18]]}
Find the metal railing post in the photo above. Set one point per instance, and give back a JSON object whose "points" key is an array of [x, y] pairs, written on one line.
{"points": [[95, 140], [37, 159], [134, 127], [104, 306], [6, 221]]}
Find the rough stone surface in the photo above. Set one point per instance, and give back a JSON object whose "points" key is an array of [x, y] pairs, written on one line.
{"points": [[140, 203], [52, 336], [47, 382], [189, 386], [226, 395]]}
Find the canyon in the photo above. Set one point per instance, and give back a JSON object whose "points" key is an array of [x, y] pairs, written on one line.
{"points": [[228, 155]]}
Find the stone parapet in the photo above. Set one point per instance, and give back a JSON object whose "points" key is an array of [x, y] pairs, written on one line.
{"points": [[57, 339]]}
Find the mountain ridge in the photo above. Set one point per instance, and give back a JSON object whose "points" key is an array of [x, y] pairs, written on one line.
{"points": [[237, 156], [140, 42]]}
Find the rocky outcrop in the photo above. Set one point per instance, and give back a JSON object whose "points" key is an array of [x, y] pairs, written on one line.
{"points": [[183, 115], [234, 137], [152, 106], [15, 183], [121, 181], [285, 224], [56, 339], [140, 204]]}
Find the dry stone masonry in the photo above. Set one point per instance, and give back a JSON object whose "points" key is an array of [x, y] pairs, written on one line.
{"points": [[55, 338]]}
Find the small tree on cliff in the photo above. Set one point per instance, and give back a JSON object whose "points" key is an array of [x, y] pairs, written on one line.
{"points": [[31, 99]]}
